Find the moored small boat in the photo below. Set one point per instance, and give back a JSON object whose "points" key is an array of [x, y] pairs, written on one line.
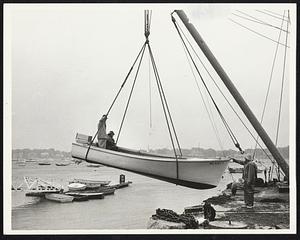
{"points": [[39, 193], [89, 195], [94, 165], [121, 185], [62, 164], [44, 163], [59, 197], [80, 198], [106, 190], [76, 186], [90, 184]]}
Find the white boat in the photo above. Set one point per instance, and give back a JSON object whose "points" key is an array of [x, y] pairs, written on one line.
{"points": [[76, 186], [21, 163], [192, 172], [62, 164], [57, 197], [90, 183]]}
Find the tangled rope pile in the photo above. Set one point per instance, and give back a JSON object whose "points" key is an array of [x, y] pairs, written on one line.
{"points": [[171, 216]]}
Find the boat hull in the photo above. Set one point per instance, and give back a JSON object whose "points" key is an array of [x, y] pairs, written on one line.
{"points": [[194, 173], [62, 198]]}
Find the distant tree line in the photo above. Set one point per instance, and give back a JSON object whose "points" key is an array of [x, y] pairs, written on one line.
{"points": [[193, 152], [39, 153], [211, 153]]}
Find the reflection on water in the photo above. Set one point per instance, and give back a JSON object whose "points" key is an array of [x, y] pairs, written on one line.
{"points": [[128, 208]]}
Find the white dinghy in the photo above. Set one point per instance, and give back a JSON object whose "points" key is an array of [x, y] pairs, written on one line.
{"points": [[76, 186]]}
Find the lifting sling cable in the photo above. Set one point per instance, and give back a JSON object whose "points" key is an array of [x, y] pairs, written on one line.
{"points": [[87, 152], [281, 92], [269, 84], [231, 134], [164, 97], [164, 108], [256, 20], [235, 112], [147, 33], [160, 89], [150, 94], [207, 106], [137, 71], [272, 15], [278, 14], [282, 84]]}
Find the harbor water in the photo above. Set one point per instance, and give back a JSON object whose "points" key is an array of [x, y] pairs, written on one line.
{"points": [[128, 208]]}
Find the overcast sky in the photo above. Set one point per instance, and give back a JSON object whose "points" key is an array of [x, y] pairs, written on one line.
{"points": [[67, 63]]}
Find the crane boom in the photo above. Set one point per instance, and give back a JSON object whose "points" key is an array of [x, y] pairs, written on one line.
{"points": [[234, 92]]}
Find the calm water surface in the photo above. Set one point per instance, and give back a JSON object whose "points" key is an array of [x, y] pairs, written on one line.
{"points": [[128, 208]]}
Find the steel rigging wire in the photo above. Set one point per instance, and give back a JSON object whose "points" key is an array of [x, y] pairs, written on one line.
{"points": [[235, 112], [230, 132], [269, 85], [114, 100]]}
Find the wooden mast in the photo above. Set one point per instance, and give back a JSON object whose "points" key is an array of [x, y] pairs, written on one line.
{"points": [[234, 92]]}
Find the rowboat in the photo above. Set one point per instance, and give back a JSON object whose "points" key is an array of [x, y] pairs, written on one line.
{"points": [[57, 197], [192, 172], [40, 193], [121, 185], [76, 186], [62, 164], [89, 195], [93, 165], [44, 163], [89, 183]]}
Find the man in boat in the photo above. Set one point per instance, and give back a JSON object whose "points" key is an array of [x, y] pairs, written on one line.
{"points": [[105, 140], [249, 176], [111, 144]]}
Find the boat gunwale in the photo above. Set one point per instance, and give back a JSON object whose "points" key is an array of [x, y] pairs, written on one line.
{"points": [[157, 158]]}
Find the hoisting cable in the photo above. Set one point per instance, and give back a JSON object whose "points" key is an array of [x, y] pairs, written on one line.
{"points": [[269, 84], [271, 15], [207, 106], [230, 132], [137, 71], [143, 47], [260, 34], [164, 105], [148, 15], [224, 95], [278, 14], [281, 94], [150, 94], [164, 98], [161, 91], [256, 20], [282, 84]]}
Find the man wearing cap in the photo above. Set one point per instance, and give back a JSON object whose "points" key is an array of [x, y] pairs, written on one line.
{"points": [[249, 176], [111, 144], [105, 140]]}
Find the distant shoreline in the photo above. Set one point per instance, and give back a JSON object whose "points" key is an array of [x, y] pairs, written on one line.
{"points": [[192, 152]]}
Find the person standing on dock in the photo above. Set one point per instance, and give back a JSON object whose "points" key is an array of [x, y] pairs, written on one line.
{"points": [[249, 176]]}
